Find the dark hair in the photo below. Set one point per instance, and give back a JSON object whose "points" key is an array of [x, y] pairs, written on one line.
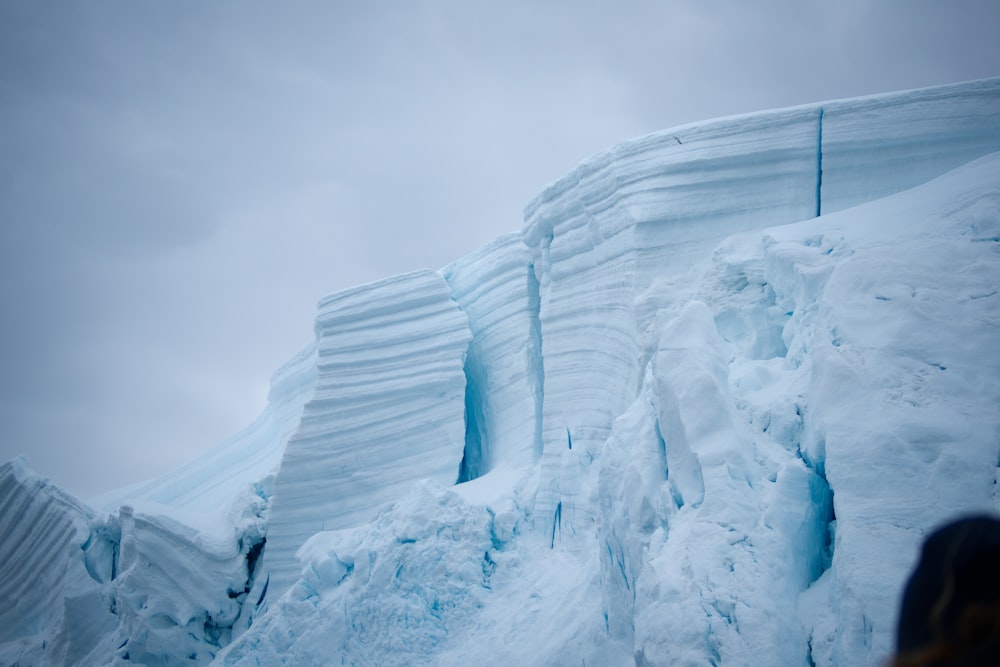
{"points": [[950, 613]]}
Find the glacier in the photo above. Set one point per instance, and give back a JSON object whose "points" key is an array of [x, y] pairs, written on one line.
{"points": [[700, 410]]}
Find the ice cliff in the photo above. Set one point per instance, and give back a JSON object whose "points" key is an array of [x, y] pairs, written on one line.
{"points": [[699, 411]]}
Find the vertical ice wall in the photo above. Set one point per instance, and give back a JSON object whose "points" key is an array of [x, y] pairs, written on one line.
{"points": [[612, 243], [53, 608], [879, 145], [388, 409], [496, 288]]}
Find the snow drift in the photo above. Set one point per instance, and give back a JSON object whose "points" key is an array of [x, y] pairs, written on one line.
{"points": [[700, 410]]}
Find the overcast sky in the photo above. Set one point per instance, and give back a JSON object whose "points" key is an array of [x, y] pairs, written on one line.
{"points": [[180, 182]]}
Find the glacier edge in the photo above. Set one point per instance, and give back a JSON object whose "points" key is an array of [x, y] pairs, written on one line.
{"points": [[657, 360]]}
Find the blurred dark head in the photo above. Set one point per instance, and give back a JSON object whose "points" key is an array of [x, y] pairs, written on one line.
{"points": [[950, 613]]}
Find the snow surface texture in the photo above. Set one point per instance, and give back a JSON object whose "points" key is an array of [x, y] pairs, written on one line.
{"points": [[382, 415], [701, 410]]}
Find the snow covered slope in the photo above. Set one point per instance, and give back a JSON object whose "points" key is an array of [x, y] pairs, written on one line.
{"points": [[209, 486], [700, 410]]}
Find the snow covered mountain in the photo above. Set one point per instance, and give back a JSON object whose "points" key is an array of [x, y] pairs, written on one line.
{"points": [[700, 411]]}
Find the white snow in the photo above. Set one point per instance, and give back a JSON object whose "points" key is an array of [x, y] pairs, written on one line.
{"points": [[690, 423], [52, 608], [388, 409]]}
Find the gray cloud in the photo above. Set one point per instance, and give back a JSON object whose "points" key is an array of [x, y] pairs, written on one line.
{"points": [[181, 182]]}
